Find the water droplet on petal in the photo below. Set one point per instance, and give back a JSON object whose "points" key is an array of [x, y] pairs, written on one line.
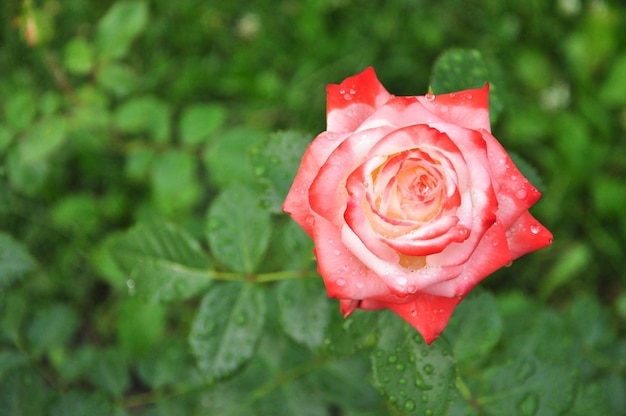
{"points": [[337, 252], [534, 229], [430, 96], [340, 282], [521, 193]]}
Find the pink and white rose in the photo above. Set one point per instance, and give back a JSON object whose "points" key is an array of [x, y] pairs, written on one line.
{"points": [[411, 201]]}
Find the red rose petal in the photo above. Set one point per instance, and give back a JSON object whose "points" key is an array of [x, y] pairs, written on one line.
{"points": [[428, 314], [469, 108], [526, 235], [354, 100]]}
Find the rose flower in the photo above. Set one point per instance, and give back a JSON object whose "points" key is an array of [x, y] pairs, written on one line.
{"points": [[410, 201]]}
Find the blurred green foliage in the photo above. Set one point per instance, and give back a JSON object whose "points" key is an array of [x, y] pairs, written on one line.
{"points": [[119, 112]]}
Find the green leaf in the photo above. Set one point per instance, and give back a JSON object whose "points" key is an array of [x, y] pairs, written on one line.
{"points": [[225, 156], [170, 363], [140, 326], [20, 109], [591, 323], [78, 56], [463, 69], [119, 27], [238, 230], [345, 336], [42, 139], [23, 393], [52, 326], [226, 328], [110, 372], [527, 386], [475, 329], [174, 183], [10, 360], [6, 137], [79, 403], [290, 248], [145, 114], [613, 89], [414, 377], [117, 78], [15, 261], [275, 163], [199, 121], [304, 310], [165, 263], [77, 213]]}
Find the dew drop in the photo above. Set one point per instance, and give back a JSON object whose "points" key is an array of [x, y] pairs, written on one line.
{"points": [[509, 264], [429, 369], [534, 229], [310, 219], [393, 399], [401, 281], [521, 193], [360, 285], [428, 412], [392, 359], [402, 381], [430, 96], [340, 282], [336, 252], [352, 91], [424, 352], [425, 398], [400, 367], [409, 405]]}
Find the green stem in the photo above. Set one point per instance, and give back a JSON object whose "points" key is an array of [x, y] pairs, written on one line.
{"points": [[263, 277]]}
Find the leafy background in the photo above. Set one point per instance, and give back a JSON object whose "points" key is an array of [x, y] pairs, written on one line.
{"points": [[146, 269]]}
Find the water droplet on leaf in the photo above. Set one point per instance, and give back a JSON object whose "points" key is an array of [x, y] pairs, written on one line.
{"points": [[409, 405], [428, 369], [430, 96]]}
